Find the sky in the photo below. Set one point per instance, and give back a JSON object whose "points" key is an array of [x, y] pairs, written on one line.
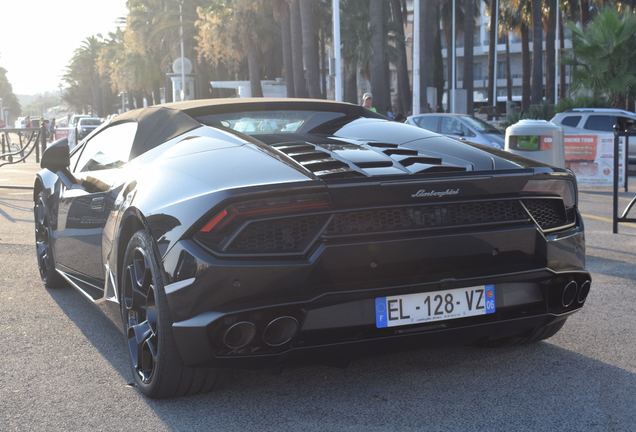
{"points": [[38, 37]]}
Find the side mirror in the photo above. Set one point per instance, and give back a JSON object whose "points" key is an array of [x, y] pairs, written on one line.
{"points": [[56, 156]]}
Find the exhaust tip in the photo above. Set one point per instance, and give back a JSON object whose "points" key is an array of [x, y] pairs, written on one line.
{"points": [[584, 291], [280, 331], [569, 294], [239, 335]]}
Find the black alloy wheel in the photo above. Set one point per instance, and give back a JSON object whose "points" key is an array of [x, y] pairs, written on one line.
{"points": [[157, 368], [140, 314], [43, 249]]}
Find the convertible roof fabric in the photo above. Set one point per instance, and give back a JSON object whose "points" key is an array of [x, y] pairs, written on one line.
{"points": [[160, 123], [156, 125]]}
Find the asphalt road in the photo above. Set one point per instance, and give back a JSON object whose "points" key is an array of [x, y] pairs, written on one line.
{"points": [[63, 364]]}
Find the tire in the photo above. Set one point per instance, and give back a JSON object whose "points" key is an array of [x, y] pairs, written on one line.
{"points": [[157, 368], [537, 335], [43, 248]]}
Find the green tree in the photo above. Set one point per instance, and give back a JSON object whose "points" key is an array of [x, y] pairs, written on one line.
{"points": [[379, 63], [310, 46], [9, 100], [604, 55], [86, 89]]}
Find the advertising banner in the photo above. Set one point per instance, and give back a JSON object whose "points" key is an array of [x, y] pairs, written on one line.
{"points": [[591, 157]]}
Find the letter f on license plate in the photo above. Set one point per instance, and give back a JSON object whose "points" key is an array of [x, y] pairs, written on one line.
{"points": [[434, 306]]}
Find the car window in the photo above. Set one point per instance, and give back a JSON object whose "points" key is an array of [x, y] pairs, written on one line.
{"points": [[454, 126], [571, 121], [427, 122], [600, 123], [108, 149]]}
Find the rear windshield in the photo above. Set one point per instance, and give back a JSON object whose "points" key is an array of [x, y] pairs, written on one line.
{"points": [[276, 121], [480, 125], [90, 122]]}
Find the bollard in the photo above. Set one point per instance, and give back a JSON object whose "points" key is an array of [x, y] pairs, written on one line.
{"points": [[3, 149], [21, 147], [42, 142]]}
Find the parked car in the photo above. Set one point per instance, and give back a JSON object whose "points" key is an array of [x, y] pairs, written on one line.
{"points": [[86, 125], [579, 120], [334, 233], [73, 139], [460, 126]]}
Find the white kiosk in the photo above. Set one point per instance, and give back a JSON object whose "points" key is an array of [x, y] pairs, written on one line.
{"points": [[537, 139]]}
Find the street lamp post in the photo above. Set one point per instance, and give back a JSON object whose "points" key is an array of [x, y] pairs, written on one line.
{"points": [[454, 58], [182, 54], [494, 69], [416, 57], [557, 47], [336, 48]]}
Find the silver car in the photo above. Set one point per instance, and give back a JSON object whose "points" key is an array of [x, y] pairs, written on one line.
{"points": [[460, 126]]}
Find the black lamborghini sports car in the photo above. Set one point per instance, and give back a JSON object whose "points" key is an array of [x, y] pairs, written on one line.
{"points": [[247, 232]]}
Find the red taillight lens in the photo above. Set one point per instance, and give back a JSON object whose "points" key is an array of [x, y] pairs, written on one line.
{"points": [[218, 218]]}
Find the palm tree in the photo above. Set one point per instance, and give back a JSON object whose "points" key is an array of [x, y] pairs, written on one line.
{"points": [[492, 46], [356, 52], [429, 50], [446, 12], [310, 46], [550, 39], [536, 95], [398, 13], [281, 14], [516, 16], [603, 56], [379, 78], [300, 87]]}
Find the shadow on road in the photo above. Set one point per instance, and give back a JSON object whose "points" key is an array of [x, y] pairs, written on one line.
{"points": [[612, 267], [537, 387]]}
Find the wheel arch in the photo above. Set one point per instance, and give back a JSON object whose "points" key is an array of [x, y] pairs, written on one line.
{"points": [[131, 222]]}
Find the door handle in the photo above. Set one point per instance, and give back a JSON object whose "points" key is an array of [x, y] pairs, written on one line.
{"points": [[97, 204]]}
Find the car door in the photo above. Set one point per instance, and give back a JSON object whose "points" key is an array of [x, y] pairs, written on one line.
{"points": [[84, 208]]}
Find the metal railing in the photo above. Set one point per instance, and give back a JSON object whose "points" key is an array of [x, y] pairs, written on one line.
{"points": [[29, 140], [622, 129]]}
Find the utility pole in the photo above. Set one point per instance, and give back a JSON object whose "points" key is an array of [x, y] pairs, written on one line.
{"points": [[557, 47], [335, 6], [451, 93], [494, 69], [182, 54], [416, 57]]}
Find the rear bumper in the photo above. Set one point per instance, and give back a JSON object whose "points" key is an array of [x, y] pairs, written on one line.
{"points": [[335, 327], [331, 293]]}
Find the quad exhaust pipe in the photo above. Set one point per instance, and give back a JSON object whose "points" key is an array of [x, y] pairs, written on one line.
{"points": [[239, 335], [584, 290], [572, 292], [569, 294], [280, 331]]}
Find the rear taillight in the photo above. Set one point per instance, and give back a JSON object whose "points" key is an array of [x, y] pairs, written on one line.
{"points": [[562, 188], [264, 208], [270, 226]]}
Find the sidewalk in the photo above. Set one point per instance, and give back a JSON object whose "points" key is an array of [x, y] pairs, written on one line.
{"points": [[19, 175]]}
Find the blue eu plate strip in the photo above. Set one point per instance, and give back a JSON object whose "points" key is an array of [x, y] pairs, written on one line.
{"points": [[380, 312], [489, 291]]}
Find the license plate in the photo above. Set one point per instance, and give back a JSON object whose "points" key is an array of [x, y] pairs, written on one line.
{"points": [[434, 306]]}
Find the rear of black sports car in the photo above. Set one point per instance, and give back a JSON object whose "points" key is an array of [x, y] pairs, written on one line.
{"points": [[385, 248]]}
